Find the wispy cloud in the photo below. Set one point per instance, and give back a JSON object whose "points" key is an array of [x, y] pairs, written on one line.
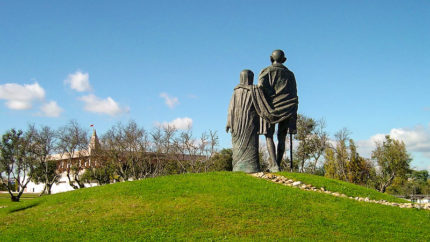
{"points": [[51, 109], [416, 139], [171, 102], [21, 97], [178, 123], [104, 106], [79, 81]]}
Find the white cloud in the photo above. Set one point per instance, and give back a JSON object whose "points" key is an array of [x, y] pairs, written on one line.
{"points": [[365, 147], [171, 102], [21, 97], [51, 109], [179, 123], [104, 106], [79, 81], [417, 140]]}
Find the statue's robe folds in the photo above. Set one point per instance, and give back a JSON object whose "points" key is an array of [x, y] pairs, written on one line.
{"points": [[243, 122], [275, 97]]}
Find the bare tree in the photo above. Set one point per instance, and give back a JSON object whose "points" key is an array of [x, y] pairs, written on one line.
{"points": [[213, 144], [44, 145], [126, 147], [305, 129], [113, 151], [342, 156], [185, 145], [135, 144], [157, 150], [73, 147], [318, 143], [168, 139]]}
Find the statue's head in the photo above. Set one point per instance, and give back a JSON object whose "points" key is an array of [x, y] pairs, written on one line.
{"points": [[278, 56], [246, 77]]}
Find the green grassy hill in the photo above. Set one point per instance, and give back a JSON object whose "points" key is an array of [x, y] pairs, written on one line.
{"points": [[224, 205], [349, 189]]}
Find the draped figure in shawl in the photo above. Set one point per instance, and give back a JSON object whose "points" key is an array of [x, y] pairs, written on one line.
{"points": [[276, 102], [242, 121]]}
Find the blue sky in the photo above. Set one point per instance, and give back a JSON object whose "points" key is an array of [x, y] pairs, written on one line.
{"points": [[363, 65]]}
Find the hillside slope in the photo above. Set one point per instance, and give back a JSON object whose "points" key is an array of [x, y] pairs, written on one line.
{"points": [[220, 205], [346, 188]]}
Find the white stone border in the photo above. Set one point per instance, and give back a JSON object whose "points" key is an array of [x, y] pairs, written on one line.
{"points": [[307, 187]]}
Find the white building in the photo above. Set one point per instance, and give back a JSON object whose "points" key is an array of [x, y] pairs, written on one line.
{"points": [[82, 158]]}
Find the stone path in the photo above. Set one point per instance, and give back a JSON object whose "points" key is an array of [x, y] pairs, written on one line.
{"points": [[307, 187]]}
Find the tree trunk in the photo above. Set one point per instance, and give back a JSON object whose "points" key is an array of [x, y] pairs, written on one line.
{"points": [[71, 183], [382, 188], [14, 198], [49, 189], [44, 190]]}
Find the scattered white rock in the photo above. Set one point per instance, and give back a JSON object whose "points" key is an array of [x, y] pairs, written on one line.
{"points": [[308, 187]]}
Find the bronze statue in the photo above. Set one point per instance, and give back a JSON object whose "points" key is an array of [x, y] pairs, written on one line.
{"points": [[276, 102], [242, 121]]}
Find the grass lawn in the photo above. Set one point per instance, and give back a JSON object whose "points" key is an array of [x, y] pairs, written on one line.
{"points": [[221, 205], [5, 198], [349, 189], [24, 195]]}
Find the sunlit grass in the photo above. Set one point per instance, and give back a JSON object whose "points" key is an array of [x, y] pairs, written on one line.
{"points": [[223, 205], [346, 188]]}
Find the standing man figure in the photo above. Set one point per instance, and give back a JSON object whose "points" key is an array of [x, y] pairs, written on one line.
{"points": [[277, 103]]}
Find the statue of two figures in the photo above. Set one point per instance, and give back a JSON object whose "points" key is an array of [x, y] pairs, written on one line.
{"points": [[256, 109]]}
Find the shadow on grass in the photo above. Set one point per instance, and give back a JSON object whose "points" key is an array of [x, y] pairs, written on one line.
{"points": [[21, 208]]}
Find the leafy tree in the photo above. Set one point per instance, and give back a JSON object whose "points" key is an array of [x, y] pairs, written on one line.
{"points": [[330, 165], [343, 162], [17, 160], [47, 173], [393, 161], [420, 176], [103, 174], [222, 161], [399, 186], [312, 142], [359, 168], [415, 182], [337, 157]]}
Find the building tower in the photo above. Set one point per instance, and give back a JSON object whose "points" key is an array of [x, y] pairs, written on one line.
{"points": [[94, 144]]}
